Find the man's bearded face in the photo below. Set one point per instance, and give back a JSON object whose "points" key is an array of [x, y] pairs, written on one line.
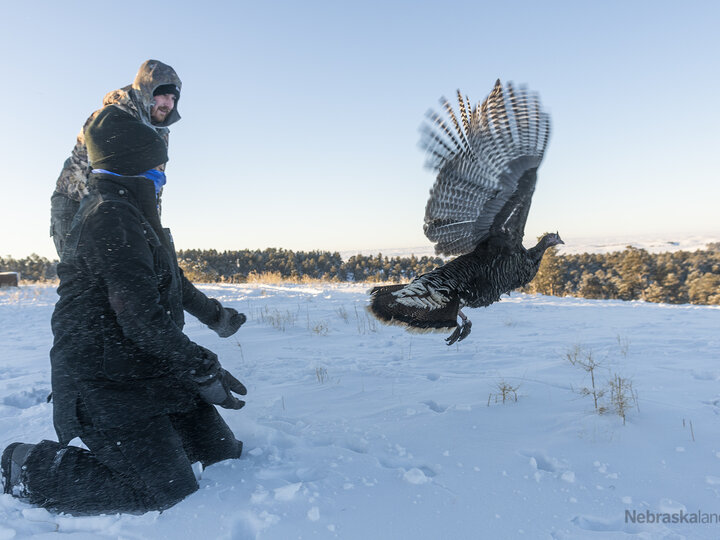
{"points": [[163, 104]]}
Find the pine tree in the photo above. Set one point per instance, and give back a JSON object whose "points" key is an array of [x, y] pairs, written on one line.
{"points": [[636, 271], [551, 276]]}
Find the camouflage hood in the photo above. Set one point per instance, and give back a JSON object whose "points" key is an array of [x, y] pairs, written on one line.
{"points": [[152, 74], [135, 99]]}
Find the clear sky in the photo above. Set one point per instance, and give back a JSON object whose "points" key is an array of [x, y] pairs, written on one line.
{"points": [[300, 119]]}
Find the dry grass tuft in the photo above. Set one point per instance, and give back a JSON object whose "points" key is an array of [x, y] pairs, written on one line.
{"points": [[505, 391]]}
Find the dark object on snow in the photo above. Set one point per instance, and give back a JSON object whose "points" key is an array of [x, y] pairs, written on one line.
{"points": [[487, 160], [9, 279]]}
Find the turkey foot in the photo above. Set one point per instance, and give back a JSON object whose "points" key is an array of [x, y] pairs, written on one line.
{"points": [[461, 331]]}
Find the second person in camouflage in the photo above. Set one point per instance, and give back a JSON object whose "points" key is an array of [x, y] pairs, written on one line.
{"points": [[151, 98]]}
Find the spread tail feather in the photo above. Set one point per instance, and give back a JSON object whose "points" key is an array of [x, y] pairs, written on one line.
{"points": [[385, 307]]}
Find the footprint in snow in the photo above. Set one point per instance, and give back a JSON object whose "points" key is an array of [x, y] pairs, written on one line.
{"points": [[26, 399], [410, 471], [540, 461], [706, 375], [712, 480], [415, 476], [544, 465], [359, 445], [433, 406], [715, 404], [615, 524], [602, 468]]}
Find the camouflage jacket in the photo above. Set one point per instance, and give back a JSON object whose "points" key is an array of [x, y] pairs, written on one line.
{"points": [[135, 99]]}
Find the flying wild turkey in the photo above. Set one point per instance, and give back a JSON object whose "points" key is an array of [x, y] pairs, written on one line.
{"points": [[487, 159]]}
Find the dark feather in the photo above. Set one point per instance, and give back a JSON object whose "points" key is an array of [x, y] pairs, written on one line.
{"points": [[482, 186]]}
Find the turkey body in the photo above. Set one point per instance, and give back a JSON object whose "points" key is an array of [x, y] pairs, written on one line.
{"points": [[487, 158], [433, 300]]}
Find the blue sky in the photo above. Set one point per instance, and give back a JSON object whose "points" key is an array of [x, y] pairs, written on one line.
{"points": [[300, 119]]}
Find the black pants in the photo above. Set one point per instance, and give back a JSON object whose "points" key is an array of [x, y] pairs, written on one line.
{"points": [[62, 212], [141, 467]]}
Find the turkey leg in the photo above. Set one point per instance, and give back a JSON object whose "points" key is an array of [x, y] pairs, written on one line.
{"points": [[461, 331]]}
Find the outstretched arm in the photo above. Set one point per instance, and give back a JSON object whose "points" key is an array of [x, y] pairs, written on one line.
{"points": [[225, 321]]}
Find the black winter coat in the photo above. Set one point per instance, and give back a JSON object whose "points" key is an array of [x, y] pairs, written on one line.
{"points": [[118, 340]]}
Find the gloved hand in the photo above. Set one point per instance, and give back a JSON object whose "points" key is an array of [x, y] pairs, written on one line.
{"points": [[216, 390], [228, 321]]}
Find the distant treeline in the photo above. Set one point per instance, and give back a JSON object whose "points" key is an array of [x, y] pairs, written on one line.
{"points": [[32, 268], [633, 274], [238, 266]]}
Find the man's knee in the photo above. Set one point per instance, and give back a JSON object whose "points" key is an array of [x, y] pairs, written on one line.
{"points": [[206, 436], [224, 449], [174, 492]]}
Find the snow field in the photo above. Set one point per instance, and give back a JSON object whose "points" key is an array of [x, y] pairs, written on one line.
{"points": [[353, 429]]}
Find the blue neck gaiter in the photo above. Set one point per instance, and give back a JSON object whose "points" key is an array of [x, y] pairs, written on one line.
{"points": [[158, 177]]}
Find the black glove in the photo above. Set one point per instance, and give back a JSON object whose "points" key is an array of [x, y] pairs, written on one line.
{"points": [[216, 390], [228, 321]]}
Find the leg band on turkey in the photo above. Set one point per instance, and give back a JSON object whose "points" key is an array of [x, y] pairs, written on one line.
{"points": [[486, 160]]}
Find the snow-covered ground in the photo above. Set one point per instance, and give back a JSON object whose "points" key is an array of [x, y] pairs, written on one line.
{"points": [[357, 430]]}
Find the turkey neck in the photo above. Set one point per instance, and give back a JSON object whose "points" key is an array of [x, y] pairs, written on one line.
{"points": [[536, 252]]}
